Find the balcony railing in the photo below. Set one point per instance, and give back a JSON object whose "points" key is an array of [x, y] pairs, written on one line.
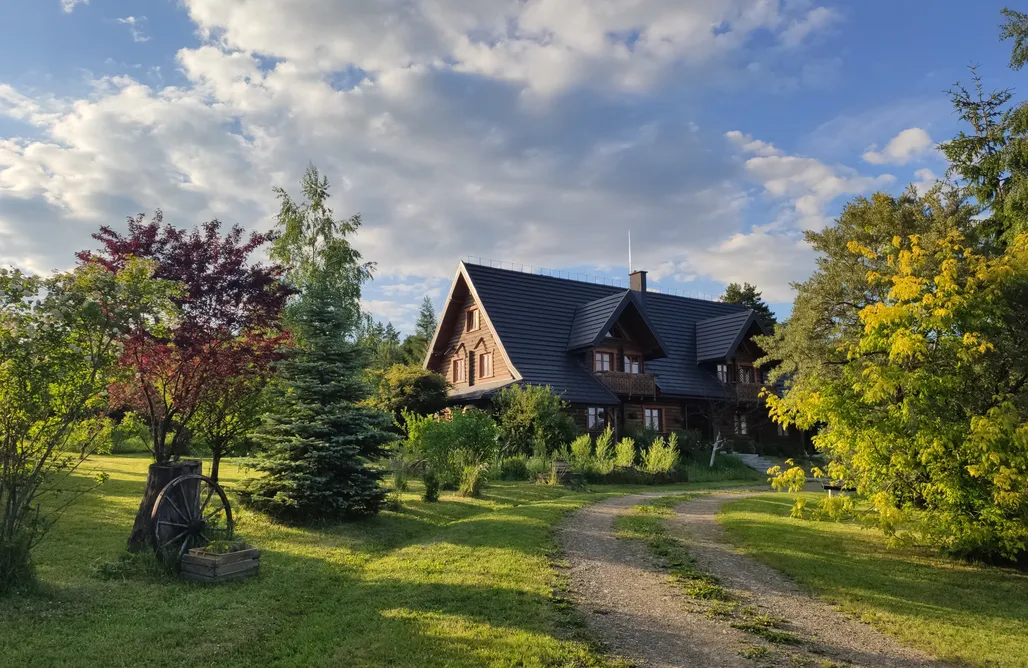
{"points": [[747, 391], [631, 384]]}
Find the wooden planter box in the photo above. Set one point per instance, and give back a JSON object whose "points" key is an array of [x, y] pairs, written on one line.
{"points": [[203, 566]]}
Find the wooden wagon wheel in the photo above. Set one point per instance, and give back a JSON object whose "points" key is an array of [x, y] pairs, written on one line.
{"points": [[191, 511]]}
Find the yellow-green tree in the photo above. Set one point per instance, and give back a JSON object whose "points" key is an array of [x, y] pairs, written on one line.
{"points": [[908, 348]]}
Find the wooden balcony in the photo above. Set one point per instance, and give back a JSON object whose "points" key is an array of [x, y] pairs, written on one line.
{"points": [[629, 384], [747, 392]]}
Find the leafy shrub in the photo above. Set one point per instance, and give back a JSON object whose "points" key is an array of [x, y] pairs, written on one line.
{"points": [[581, 453], [467, 439], [636, 476], [624, 453], [393, 501], [15, 565], [400, 481], [431, 493], [514, 468], [604, 457], [537, 466], [661, 456], [726, 467], [472, 479], [691, 444], [532, 420], [409, 388]]}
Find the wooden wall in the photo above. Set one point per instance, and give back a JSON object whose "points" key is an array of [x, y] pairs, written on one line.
{"points": [[461, 343]]}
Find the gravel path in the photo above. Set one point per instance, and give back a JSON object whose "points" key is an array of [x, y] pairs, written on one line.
{"points": [[629, 603]]}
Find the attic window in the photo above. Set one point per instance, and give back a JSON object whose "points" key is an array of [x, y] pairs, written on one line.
{"points": [[722, 373], [603, 361], [471, 322], [460, 370], [746, 374], [633, 364], [485, 365]]}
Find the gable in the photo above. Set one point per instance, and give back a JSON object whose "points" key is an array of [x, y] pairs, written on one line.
{"points": [[619, 315]]}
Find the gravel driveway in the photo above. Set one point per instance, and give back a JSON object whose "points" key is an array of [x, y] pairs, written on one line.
{"points": [[629, 603]]}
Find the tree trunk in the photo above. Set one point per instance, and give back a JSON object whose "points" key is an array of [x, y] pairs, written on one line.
{"points": [[215, 464], [157, 477]]}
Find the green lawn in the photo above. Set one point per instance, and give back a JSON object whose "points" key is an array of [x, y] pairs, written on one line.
{"points": [[462, 582], [958, 612]]}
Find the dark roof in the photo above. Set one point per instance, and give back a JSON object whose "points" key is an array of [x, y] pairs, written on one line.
{"points": [[717, 338], [534, 315], [593, 322]]}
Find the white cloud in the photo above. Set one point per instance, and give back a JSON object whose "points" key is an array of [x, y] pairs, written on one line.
{"points": [[417, 113], [69, 5], [806, 185], [901, 149], [816, 19], [133, 23], [925, 180], [770, 261]]}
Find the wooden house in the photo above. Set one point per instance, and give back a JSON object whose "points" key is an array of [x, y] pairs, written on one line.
{"points": [[627, 358]]}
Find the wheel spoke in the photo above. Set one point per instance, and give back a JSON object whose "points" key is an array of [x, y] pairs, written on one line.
{"points": [[185, 501], [181, 515], [211, 514], [210, 493], [176, 537], [173, 524]]}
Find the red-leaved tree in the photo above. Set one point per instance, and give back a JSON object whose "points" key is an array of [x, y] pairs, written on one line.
{"points": [[229, 318]]}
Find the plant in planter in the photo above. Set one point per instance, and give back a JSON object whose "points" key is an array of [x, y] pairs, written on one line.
{"points": [[220, 561]]}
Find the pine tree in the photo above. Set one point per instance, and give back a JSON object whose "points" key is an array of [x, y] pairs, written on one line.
{"points": [[415, 346], [320, 443], [748, 296]]}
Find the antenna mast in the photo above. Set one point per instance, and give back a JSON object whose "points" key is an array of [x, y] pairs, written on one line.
{"points": [[629, 251]]}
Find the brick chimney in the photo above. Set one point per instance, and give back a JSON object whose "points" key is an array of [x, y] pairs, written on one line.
{"points": [[637, 281]]}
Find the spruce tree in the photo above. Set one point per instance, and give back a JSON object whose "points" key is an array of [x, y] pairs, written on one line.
{"points": [[320, 443], [415, 346]]}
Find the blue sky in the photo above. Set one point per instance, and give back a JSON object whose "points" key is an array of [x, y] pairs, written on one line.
{"points": [[532, 132]]}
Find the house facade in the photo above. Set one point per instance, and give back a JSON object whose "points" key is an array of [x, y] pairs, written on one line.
{"points": [[624, 358]]}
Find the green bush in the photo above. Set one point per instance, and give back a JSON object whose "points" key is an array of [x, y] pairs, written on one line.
{"points": [[448, 446], [409, 388], [624, 453], [514, 468], [604, 457], [635, 476], [662, 456], [15, 566], [532, 420], [537, 466], [726, 467], [581, 453], [431, 493], [472, 479]]}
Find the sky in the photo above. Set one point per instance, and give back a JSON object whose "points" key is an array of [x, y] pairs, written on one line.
{"points": [[531, 132]]}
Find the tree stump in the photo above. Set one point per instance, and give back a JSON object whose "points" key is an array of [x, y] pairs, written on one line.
{"points": [[157, 477]]}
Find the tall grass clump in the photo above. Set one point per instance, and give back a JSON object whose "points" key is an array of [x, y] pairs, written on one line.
{"points": [[624, 453], [661, 456]]}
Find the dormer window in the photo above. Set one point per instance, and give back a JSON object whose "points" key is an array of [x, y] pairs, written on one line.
{"points": [[471, 322], [633, 364], [603, 360], [722, 373], [745, 374]]}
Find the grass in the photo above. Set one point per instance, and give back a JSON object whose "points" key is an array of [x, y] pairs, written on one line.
{"points": [[963, 613], [462, 582]]}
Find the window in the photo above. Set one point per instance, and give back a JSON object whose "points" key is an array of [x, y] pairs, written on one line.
{"points": [[597, 418], [471, 320], [740, 425], [633, 364], [485, 365], [783, 431], [460, 370], [652, 419], [722, 373], [603, 361], [745, 374]]}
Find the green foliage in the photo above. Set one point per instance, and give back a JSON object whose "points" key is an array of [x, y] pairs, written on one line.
{"points": [[320, 442], [468, 438], [130, 434], [532, 419], [514, 468], [59, 345], [625, 453], [908, 344], [604, 457], [415, 346], [537, 466], [404, 387], [581, 451], [472, 479], [381, 343], [661, 456], [315, 248], [431, 493], [747, 295]]}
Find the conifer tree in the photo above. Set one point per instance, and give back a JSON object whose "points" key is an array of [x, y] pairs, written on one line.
{"points": [[320, 442]]}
